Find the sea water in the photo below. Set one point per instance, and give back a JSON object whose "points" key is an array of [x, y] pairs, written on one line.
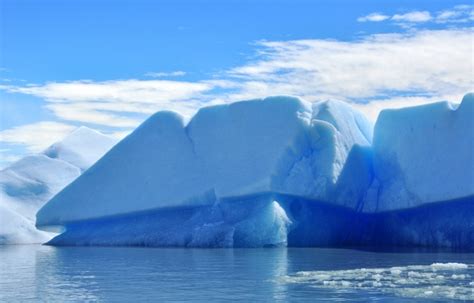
{"points": [[76, 274]]}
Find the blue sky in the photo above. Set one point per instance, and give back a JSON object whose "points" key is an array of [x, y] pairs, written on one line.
{"points": [[110, 64]]}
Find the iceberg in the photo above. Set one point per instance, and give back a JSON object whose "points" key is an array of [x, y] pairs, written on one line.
{"points": [[26, 185], [280, 145], [279, 172]]}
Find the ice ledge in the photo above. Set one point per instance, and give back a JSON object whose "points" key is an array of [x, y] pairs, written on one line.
{"points": [[261, 221]]}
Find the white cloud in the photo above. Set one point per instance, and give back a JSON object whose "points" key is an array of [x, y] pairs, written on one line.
{"points": [[132, 90], [109, 102], [178, 73], [446, 15], [91, 113], [428, 63], [37, 136], [374, 17], [432, 63], [415, 16], [373, 72], [456, 14]]}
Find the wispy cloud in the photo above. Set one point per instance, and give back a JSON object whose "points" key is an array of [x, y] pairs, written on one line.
{"points": [[131, 90], [430, 63], [457, 14], [37, 136], [108, 102], [178, 73], [92, 113], [372, 72], [424, 64], [413, 17]]}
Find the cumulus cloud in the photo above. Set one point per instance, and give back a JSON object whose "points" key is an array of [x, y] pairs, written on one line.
{"points": [[374, 17], [37, 136]]}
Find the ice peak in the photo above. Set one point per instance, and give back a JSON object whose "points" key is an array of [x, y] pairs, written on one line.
{"points": [[81, 147]]}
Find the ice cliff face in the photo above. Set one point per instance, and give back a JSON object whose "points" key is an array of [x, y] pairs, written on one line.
{"points": [[279, 171], [26, 185], [423, 154]]}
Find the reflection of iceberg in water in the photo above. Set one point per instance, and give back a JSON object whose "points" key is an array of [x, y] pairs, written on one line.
{"points": [[15, 259], [280, 268], [134, 274], [71, 278], [32, 273]]}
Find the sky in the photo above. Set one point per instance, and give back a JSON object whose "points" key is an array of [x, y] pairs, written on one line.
{"points": [[109, 65]]}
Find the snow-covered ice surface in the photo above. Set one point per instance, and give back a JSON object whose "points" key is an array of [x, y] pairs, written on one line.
{"points": [[81, 148], [26, 185], [438, 281], [279, 171]]}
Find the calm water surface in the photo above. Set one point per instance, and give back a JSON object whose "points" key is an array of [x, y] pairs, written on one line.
{"points": [[49, 274]]}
